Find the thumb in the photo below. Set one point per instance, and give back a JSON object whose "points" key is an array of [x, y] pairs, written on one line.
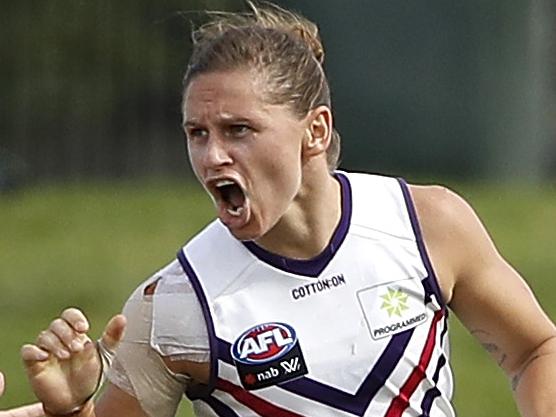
{"points": [[1, 383], [114, 332]]}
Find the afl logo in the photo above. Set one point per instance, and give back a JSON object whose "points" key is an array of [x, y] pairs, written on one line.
{"points": [[263, 343]]}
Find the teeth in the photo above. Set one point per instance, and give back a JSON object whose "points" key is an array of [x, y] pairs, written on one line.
{"points": [[223, 183], [235, 212]]}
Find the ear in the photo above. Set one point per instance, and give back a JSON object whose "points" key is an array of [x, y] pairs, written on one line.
{"points": [[318, 132]]}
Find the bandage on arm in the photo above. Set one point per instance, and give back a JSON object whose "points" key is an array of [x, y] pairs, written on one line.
{"points": [[176, 330]]}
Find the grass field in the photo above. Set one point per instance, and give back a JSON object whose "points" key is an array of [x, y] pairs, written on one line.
{"points": [[90, 245]]}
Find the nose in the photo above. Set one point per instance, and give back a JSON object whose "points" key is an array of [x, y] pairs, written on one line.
{"points": [[216, 153]]}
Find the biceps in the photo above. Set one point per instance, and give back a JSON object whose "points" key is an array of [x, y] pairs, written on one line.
{"points": [[116, 403], [157, 390], [500, 310]]}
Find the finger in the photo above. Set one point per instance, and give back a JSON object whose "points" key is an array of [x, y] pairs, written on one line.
{"points": [[33, 410], [114, 332], [31, 353], [71, 339], [49, 342], [1, 383], [76, 319]]}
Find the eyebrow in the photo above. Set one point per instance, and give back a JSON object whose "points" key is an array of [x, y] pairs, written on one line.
{"points": [[226, 118], [188, 123]]}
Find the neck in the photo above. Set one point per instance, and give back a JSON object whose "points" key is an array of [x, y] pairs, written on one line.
{"points": [[307, 227]]}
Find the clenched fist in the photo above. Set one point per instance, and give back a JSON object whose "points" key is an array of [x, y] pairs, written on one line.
{"points": [[64, 365]]}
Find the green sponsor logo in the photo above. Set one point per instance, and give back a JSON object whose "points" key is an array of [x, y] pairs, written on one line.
{"points": [[395, 302]]}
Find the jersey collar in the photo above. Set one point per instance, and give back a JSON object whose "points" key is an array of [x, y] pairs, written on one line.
{"points": [[314, 266]]}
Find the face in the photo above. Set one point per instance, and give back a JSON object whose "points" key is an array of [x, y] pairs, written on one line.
{"points": [[245, 152]]}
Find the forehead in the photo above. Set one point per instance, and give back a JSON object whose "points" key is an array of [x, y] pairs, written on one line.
{"points": [[230, 92]]}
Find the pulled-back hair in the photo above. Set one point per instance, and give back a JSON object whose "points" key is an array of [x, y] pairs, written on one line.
{"points": [[282, 46]]}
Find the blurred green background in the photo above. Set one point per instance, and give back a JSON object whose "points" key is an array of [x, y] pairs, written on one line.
{"points": [[95, 192]]}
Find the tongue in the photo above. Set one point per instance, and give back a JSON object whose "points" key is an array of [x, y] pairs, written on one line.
{"points": [[235, 196], [234, 211]]}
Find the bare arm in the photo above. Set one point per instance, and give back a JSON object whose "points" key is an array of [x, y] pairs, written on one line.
{"points": [[113, 403], [116, 403], [490, 298]]}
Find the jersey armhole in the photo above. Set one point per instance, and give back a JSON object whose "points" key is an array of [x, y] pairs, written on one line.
{"points": [[201, 391], [432, 280]]}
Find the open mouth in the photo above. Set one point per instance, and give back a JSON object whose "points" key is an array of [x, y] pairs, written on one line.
{"points": [[232, 196]]}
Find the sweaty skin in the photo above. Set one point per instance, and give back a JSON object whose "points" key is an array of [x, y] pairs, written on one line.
{"points": [[293, 207]]}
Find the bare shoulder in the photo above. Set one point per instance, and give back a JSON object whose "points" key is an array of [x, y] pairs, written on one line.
{"points": [[455, 238], [438, 206], [480, 285]]}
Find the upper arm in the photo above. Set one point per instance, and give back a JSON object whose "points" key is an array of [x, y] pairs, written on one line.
{"points": [[489, 296], [139, 372], [140, 368], [115, 402]]}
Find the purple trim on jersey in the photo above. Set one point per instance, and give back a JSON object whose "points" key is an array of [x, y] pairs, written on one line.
{"points": [[429, 290], [432, 281], [221, 409], [225, 351], [352, 403], [202, 391], [434, 392], [312, 267], [445, 329]]}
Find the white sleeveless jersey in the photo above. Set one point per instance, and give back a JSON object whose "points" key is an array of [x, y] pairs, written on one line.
{"points": [[360, 330]]}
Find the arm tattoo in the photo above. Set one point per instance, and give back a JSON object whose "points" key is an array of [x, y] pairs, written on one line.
{"points": [[490, 347], [517, 378]]}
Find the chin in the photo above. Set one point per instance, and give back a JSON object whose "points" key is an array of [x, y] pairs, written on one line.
{"points": [[243, 235], [246, 233]]}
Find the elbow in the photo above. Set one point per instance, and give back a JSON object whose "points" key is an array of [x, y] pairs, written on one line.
{"points": [[545, 348]]}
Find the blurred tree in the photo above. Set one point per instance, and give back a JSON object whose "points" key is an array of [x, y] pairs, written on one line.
{"points": [[93, 88]]}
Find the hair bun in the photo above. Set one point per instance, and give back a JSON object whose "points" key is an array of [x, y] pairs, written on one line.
{"points": [[313, 40], [265, 15], [272, 16]]}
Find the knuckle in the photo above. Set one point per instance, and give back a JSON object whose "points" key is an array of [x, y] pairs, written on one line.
{"points": [[43, 334], [43, 339], [58, 323], [26, 354], [72, 312], [73, 316]]}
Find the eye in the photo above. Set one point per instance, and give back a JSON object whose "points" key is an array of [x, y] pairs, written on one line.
{"points": [[196, 133], [239, 130]]}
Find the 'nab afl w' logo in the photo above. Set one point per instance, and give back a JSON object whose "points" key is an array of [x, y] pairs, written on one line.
{"points": [[268, 354]]}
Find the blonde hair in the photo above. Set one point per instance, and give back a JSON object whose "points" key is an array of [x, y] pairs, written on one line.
{"points": [[282, 46]]}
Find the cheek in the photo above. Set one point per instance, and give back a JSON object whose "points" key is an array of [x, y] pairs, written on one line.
{"points": [[194, 162], [282, 167], [193, 156]]}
